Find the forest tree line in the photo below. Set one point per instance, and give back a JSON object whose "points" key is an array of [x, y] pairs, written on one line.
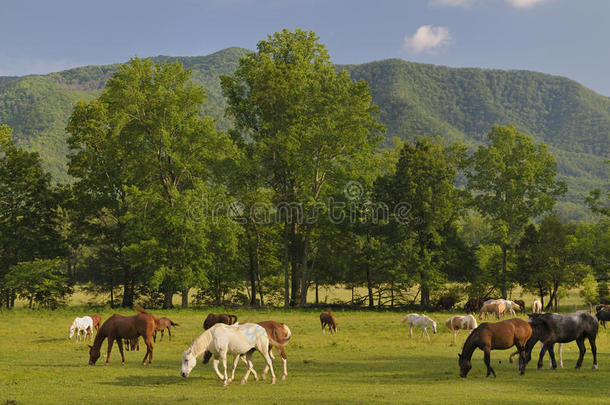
{"points": [[296, 195]]}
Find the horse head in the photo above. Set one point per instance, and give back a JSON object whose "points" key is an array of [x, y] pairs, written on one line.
{"points": [[94, 354], [465, 365], [188, 363]]}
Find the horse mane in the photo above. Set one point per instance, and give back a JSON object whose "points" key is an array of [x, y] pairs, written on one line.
{"points": [[201, 343]]}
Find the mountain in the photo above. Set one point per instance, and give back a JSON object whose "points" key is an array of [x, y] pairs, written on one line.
{"points": [[414, 99]]}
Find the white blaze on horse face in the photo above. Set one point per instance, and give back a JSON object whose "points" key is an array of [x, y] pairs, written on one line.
{"points": [[188, 363]]}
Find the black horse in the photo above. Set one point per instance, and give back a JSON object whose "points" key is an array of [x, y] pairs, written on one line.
{"points": [[554, 328], [603, 315]]}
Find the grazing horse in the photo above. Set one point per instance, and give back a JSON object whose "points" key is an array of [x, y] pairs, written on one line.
{"points": [[221, 340], [213, 319], [555, 328], [457, 322], [494, 307], [445, 303], [119, 327], [521, 304], [162, 324], [279, 333], [84, 324], [602, 306], [420, 321], [602, 316], [495, 336], [327, 319], [537, 306], [97, 321]]}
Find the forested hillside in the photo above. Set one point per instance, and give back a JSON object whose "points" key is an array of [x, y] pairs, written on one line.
{"points": [[414, 99]]}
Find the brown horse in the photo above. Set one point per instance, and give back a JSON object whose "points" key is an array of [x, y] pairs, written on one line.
{"points": [[521, 304], [164, 323], [327, 319], [119, 327], [97, 321], [496, 336], [279, 334], [213, 319]]}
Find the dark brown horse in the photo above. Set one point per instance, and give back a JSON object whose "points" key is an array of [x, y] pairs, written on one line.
{"points": [[164, 323], [97, 321], [119, 327], [327, 319], [521, 304], [473, 305], [213, 319], [496, 336], [603, 315]]}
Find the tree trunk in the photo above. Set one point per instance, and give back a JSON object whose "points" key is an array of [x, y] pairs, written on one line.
{"points": [[111, 294], [369, 284], [392, 294], [127, 288], [286, 266], [305, 270], [425, 296], [185, 297], [504, 287], [317, 300], [251, 259], [168, 295]]}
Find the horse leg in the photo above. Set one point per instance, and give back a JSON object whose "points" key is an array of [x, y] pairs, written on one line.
{"points": [[169, 333], [521, 351], [411, 331], [560, 350], [270, 364], [224, 365], [322, 323], [215, 367], [594, 351], [426, 330], [541, 355], [487, 359], [110, 342], [155, 336], [161, 340], [581, 347], [285, 363], [552, 356], [235, 361], [119, 343], [149, 350], [250, 366], [454, 335]]}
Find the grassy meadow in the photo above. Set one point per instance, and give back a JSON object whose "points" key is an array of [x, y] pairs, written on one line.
{"points": [[370, 360]]}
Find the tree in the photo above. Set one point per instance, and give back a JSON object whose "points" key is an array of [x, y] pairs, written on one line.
{"points": [[548, 259], [424, 204], [28, 215], [512, 181], [144, 156], [310, 126], [42, 281], [589, 290]]}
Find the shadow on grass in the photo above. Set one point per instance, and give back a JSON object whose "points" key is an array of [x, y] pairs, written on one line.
{"points": [[49, 340], [145, 381]]}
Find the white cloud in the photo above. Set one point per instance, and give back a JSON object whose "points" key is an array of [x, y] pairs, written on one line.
{"points": [[428, 39], [525, 3], [452, 3]]}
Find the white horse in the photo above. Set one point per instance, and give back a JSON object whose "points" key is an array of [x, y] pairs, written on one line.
{"points": [[537, 306], [420, 321], [236, 339], [509, 305], [457, 322], [84, 324]]}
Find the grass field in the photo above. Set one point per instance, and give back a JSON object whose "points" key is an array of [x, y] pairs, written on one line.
{"points": [[371, 360]]}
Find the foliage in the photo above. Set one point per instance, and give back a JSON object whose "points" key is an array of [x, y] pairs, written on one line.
{"points": [[590, 292], [43, 282]]}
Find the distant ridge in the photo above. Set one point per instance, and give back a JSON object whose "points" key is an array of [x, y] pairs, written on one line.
{"points": [[415, 100]]}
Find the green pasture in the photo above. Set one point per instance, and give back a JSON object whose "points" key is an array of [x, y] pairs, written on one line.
{"points": [[370, 360]]}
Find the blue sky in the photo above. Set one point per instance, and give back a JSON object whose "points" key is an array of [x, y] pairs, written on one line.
{"points": [[564, 37]]}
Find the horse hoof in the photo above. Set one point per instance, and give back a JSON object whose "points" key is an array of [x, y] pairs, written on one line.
{"points": [[283, 377], [243, 382], [594, 367], [273, 381], [263, 377]]}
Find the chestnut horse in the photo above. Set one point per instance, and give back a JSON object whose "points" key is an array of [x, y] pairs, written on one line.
{"points": [[213, 319], [496, 336], [164, 323], [119, 327], [97, 321], [327, 319]]}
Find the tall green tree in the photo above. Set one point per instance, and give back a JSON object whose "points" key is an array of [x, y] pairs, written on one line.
{"points": [[424, 203], [28, 215], [145, 155], [311, 127], [512, 181]]}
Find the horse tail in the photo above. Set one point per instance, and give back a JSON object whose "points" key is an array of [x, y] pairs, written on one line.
{"points": [[287, 331], [140, 309], [274, 343], [232, 319], [173, 323]]}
